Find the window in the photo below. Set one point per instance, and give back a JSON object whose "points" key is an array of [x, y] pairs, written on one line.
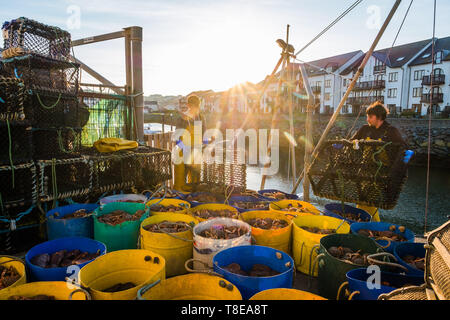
{"points": [[392, 93], [393, 76], [327, 83], [417, 92], [418, 74], [438, 57], [327, 96], [318, 83], [344, 82]]}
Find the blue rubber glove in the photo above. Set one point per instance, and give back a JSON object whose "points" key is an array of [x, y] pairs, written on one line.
{"points": [[182, 146], [206, 141], [408, 155]]}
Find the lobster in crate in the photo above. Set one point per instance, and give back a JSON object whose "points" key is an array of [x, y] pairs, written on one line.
{"points": [[56, 142], [12, 99], [18, 185], [366, 172], [64, 178], [24, 35], [45, 74]]}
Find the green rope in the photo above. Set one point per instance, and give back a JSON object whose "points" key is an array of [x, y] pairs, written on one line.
{"points": [[1, 203], [48, 107], [10, 154], [61, 144], [54, 184], [379, 162]]}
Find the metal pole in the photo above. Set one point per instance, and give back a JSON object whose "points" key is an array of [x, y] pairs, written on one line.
{"points": [[308, 130], [350, 88], [137, 92], [291, 115]]}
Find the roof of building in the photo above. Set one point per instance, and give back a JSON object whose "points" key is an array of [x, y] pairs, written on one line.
{"points": [[442, 44], [318, 67]]}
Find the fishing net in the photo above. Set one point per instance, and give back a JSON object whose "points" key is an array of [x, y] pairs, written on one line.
{"points": [[437, 263], [12, 98], [56, 143], [42, 73], [16, 145], [64, 178], [152, 167], [370, 173], [33, 37], [18, 185]]}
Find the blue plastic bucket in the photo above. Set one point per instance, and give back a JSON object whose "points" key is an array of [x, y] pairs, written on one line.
{"points": [[288, 196], [75, 227], [362, 214], [246, 257], [357, 281], [383, 226], [233, 201], [58, 274], [408, 248], [220, 199]]}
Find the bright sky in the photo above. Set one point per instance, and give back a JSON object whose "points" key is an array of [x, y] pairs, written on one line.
{"points": [[216, 44]]}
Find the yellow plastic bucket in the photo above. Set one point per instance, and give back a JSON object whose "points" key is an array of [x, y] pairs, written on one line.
{"points": [[167, 202], [140, 267], [174, 250], [304, 241], [193, 286], [61, 290], [285, 294], [213, 206], [309, 209], [279, 239], [19, 265]]}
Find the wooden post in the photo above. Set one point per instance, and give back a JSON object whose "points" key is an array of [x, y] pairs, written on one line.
{"points": [[129, 82], [137, 92], [291, 115], [350, 88]]}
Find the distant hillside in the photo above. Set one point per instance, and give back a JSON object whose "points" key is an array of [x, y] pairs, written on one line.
{"points": [[163, 101]]}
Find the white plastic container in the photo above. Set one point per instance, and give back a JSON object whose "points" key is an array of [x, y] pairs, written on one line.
{"points": [[123, 198]]}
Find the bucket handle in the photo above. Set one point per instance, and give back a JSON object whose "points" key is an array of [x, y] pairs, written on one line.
{"points": [[206, 270], [12, 259], [301, 253], [371, 259], [177, 237], [386, 239], [86, 293], [316, 260], [145, 288], [314, 248], [350, 296], [292, 215]]}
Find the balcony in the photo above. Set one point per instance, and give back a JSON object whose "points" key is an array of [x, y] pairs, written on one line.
{"points": [[364, 100], [370, 85], [435, 98], [316, 89], [379, 69], [437, 79]]}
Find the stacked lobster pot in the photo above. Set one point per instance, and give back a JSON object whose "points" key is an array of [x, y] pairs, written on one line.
{"points": [[40, 119]]}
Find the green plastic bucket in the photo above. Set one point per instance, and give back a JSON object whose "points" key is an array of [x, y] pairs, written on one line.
{"points": [[124, 235], [332, 271]]}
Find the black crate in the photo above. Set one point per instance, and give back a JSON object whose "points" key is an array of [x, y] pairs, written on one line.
{"points": [[32, 36], [64, 178], [112, 171], [12, 99], [56, 143], [16, 143], [18, 185], [372, 173], [152, 167], [44, 74]]}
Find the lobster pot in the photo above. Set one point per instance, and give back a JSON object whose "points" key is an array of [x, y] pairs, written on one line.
{"points": [[205, 248], [111, 171], [406, 293], [12, 93], [371, 174], [16, 143], [24, 35], [56, 143], [59, 290], [437, 264], [64, 178], [48, 109], [19, 185], [43, 73], [152, 166]]}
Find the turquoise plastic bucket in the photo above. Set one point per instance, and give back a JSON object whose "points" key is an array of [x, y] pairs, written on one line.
{"points": [[124, 235]]}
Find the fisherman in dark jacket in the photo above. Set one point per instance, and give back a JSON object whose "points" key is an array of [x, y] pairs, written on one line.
{"points": [[379, 129]]}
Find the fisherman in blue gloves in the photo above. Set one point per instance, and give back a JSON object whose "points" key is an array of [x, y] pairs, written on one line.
{"points": [[377, 128]]}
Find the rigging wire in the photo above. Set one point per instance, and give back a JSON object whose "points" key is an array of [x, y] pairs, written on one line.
{"points": [[430, 109]]}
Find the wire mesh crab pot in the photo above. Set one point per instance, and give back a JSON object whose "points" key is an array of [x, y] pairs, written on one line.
{"points": [[26, 35], [42, 73], [112, 172], [64, 178], [16, 145], [18, 185], [152, 166], [12, 98], [56, 143], [371, 173]]}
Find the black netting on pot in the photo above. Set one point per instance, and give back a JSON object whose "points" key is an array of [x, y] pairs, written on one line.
{"points": [[24, 35], [152, 166], [12, 98], [18, 185], [56, 143], [16, 144], [370, 173], [64, 178]]}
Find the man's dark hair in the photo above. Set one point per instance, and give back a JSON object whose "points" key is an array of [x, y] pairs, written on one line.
{"points": [[378, 109], [193, 100]]}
